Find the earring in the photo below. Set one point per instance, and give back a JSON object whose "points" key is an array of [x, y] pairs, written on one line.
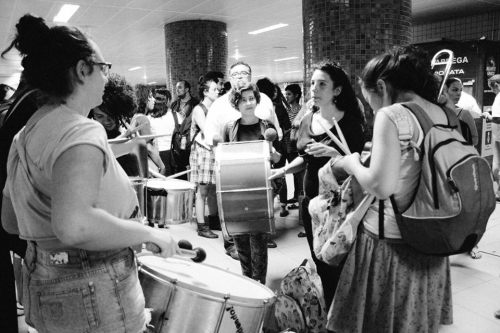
{"points": [[335, 100]]}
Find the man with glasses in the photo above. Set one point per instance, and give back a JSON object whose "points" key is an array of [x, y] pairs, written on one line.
{"points": [[222, 112]]}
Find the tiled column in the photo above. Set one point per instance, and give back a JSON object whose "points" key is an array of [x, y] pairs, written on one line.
{"points": [[193, 48], [351, 32]]}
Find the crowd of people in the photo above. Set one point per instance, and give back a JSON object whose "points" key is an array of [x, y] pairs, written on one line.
{"points": [[68, 197]]}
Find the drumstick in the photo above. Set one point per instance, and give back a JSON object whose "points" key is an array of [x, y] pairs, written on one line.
{"points": [[146, 137], [341, 135], [334, 138], [178, 174]]}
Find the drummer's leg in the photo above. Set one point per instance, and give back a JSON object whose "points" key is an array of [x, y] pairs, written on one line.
{"points": [[203, 227], [242, 243], [258, 245], [213, 211]]}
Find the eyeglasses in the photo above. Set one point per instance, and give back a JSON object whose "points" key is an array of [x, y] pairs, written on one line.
{"points": [[243, 73], [104, 66]]}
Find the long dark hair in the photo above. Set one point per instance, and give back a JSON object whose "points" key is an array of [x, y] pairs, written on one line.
{"points": [[346, 101], [405, 69], [49, 53]]}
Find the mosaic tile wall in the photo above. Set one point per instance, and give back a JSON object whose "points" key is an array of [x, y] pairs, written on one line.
{"points": [[462, 28], [351, 32], [192, 48]]}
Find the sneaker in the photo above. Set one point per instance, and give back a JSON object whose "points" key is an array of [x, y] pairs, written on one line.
{"points": [[301, 234], [497, 314]]}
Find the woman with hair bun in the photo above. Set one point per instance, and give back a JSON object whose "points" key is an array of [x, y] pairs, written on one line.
{"points": [[68, 197], [387, 286], [202, 159]]}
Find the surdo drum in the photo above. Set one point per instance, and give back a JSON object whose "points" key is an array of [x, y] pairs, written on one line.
{"points": [[169, 201], [186, 297], [244, 192]]}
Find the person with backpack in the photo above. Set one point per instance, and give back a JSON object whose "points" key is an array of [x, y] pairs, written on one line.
{"points": [[386, 285], [181, 140], [202, 160]]}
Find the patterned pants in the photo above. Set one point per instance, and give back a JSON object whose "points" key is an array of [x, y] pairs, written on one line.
{"points": [[252, 250]]}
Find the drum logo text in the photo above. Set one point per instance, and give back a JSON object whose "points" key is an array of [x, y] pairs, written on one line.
{"points": [[234, 317]]}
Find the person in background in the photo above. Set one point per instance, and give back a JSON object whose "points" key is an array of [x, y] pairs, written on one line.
{"points": [[251, 248], [113, 114], [68, 197], [293, 94], [202, 160], [266, 86], [332, 97], [141, 125], [162, 122], [468, 128], [222, 111], [468, 102], [15, 112], [217, 77], [494, 117], [386, 283], [182, 109]]}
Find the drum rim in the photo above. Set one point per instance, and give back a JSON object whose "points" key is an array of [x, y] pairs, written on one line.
{"points": [[208, 292]]}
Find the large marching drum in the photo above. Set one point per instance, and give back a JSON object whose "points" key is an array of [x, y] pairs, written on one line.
{"points": [[244, 193], [186, 297]]}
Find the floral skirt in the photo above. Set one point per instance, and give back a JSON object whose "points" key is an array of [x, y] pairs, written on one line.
{"points": [[390, 287]]}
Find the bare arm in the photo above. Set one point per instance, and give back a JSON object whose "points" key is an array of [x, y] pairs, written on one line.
{"points": [[9, 218], [77, 221], [199, 118], [380, 178]]}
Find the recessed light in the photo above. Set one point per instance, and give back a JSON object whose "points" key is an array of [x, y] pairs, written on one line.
{"points": [[65, 13], [152, 82], [266, 29], [134, 68], [285, 59]]}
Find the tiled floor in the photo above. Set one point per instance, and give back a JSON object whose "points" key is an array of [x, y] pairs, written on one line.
{"points": [[475, 283]]}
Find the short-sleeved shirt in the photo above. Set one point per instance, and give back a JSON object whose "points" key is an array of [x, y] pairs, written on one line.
{"points": [[33, 154]]}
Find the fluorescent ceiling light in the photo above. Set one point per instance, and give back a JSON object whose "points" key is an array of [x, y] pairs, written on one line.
{"points": [[65, 13], [134, 68], [285, 59], [266, 29], [152, 82], [292, 72]]}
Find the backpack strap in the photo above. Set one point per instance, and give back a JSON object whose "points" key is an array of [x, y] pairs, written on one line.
{"points": [[381, 219], [426, 122]]}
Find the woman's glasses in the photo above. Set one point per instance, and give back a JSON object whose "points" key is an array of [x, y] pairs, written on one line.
{"points": [[103, 66]]}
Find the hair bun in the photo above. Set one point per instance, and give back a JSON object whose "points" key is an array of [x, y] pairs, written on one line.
{"points": [[32, 34], [201, 79]]}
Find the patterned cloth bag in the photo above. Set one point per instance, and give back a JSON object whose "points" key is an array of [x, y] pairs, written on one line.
{"points": [[300, 303], [335, 216]]}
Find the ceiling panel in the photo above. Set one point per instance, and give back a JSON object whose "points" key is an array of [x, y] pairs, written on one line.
{"points": [[130, 32]]}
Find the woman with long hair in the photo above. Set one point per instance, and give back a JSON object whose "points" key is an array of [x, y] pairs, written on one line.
{"points": [[386, 285], [332, 97]]}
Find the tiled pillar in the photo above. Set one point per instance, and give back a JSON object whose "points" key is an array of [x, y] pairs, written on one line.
{"points": [[351, 32], [193, 48]]}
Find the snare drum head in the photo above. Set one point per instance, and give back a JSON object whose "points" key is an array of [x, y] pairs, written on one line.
{"points": [[205, 278], [170, 184]]}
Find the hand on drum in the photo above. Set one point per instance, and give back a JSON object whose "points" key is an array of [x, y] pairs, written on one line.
{"points": [[318, 149], [162, 243]]}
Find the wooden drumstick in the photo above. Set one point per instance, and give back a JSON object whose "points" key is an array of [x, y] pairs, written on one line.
{"points": [[334, 139], [341, 135], [146, 137]]}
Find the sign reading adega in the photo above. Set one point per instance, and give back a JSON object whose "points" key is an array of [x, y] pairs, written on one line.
{"points": [[465, 63]]}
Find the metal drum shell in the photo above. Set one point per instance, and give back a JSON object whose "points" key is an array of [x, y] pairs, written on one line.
{"points": [[244, 192], [180, 306], [169, 201]]}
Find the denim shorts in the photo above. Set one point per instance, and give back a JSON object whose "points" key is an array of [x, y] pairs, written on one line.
{"points": [[82, 291]]}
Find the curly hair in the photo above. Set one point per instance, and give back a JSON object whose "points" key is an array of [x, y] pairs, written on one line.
{"points": [[142, 92], [119, 99], [236, 94]]}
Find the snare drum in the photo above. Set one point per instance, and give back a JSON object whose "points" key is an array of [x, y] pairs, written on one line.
{"points": [[169, 201], [187, 297], [244, 192]]}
